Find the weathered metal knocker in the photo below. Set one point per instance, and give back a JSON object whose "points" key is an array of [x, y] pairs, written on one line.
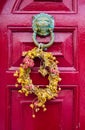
{"points": [[43, 25]]}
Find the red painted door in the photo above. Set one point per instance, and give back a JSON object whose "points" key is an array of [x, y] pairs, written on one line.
{"points": [[67, 112]]}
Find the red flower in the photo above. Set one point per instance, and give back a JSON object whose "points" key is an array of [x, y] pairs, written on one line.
{"points": [[53, 70], [28, 62], [29, 87]]}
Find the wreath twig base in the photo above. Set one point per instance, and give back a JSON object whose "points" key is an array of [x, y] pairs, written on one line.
{"points": [[48, 67]]}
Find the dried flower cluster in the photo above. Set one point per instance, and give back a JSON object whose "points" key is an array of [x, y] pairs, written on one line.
{"points": [[48, 67]]}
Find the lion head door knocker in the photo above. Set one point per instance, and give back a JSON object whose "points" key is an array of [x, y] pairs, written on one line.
{"points": [[43, 25]]}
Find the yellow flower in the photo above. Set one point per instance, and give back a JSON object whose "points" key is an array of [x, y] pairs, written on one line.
{"points": [[26, 93], [21, 71], [59, 79], [19, 80], [20, 91], [23, 90], [47, 63], [32, 106], [24, 53], [43, 71], [16, 85], [47, 55], [39, 104], [26, 81], [44, 109], [16, 73]]}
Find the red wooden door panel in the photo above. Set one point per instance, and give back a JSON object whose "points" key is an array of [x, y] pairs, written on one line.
{"points": [[67, 112]]}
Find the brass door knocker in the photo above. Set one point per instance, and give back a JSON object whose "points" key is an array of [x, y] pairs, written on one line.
{"points": [[43, 25]]}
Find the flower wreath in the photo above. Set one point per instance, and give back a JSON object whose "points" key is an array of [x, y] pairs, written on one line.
{"points": [[47, 67]]}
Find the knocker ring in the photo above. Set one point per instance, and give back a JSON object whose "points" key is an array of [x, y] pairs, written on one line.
{"points": [[43, 25]]}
